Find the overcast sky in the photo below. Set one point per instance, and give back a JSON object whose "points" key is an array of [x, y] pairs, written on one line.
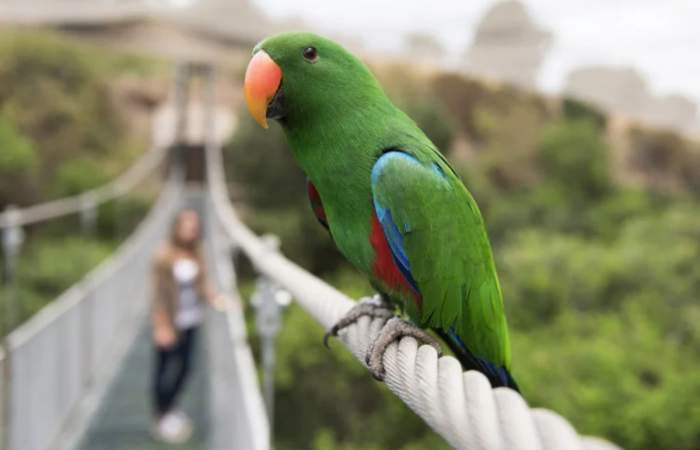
{"points": [[660, 38]]}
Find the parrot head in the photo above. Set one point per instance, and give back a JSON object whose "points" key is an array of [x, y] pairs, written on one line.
{"points": [[296, 77]]}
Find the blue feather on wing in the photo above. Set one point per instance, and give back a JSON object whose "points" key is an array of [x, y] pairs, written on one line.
{"points": [[392, 232]]}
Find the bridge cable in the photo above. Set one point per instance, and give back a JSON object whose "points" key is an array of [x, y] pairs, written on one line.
{"points": [[120, 186]]}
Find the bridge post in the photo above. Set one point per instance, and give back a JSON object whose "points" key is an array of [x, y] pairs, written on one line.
{"points": [[88, 214], [4, 398], [12, 238], [268, 301]]}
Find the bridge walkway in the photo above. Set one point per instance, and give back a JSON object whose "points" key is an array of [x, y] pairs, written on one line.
{"points": [[123, 419]]}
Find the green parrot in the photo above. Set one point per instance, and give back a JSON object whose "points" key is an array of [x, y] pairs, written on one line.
{"points": [[391, 202]]}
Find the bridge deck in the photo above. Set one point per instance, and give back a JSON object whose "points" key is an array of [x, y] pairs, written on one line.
{"points": [[123, 419]]}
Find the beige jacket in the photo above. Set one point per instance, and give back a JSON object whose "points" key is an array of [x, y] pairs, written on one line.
{"points": [[165, 290]]}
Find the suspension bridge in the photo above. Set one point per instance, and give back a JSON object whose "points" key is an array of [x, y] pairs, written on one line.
{"points": [[75, 375]]}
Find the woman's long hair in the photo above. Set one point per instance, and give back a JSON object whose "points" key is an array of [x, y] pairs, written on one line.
{"points": [[175, 242]]}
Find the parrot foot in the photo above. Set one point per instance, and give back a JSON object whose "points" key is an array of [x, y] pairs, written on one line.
{"points": [[395, 329], [376, 307]]}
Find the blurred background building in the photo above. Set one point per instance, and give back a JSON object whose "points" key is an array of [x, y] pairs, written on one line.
{"points": [[504, 41], [508, 46], [625, 91]]}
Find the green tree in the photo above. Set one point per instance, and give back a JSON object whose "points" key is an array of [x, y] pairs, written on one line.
{"points": [[79, 175], [573, 154], [18, 160], [18, 154]]}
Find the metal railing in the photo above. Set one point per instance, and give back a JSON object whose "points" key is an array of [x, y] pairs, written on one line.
{"points": [[54, 355], [4, 393], [237, 412]]}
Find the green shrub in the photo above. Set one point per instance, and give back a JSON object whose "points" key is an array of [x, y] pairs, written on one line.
{"points": [[78, 176], [48, 267], [262, 168], [117, 219], [17, 153], [266, 180], [18, 162], [56, 95], [665, 161], [615, 375], [435, 122], [573, 154], [51, 267], [579, 110]]}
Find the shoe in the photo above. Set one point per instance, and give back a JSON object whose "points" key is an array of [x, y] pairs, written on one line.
{"points": [[173, 428], [182, 417]]}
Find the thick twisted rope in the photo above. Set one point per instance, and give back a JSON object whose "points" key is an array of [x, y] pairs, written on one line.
{"points": [[460, 406]]}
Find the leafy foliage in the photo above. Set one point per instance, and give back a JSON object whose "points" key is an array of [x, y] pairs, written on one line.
{"points": [[55, 97], [79, 175], [576, 109], [572, 154], [18, 159], [48, 267], [60, 134], [17, 152], [665, 161]]}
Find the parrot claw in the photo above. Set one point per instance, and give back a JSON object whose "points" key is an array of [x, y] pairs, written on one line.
{"points": [[395, 329], [376, 307]]}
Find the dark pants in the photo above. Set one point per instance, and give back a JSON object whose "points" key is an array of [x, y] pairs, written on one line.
{"points": [[172, 366]]}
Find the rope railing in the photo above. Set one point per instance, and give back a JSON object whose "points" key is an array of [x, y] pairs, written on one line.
{"points": [[461, 406], [123, 184]]}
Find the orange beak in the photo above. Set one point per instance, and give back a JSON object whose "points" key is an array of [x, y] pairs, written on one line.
{"points": [[262, 79]]}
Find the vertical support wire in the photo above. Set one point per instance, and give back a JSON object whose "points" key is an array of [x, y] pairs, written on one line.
{"points": [[182, 99], [269, 300]]}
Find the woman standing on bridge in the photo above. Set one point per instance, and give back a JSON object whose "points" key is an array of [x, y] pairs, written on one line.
{"points": [[181, 285]]}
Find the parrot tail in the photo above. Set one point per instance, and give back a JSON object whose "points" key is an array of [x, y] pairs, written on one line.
{"points": [[499, 376]]}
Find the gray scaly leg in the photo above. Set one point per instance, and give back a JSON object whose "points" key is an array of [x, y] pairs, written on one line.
{"points": [[376, 307], [395, 329]]}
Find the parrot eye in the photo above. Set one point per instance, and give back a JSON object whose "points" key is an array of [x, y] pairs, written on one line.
{"points": [[310, 54]]}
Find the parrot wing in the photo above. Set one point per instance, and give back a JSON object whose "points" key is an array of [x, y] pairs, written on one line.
{"points": [[316, 204], [438, 240]]}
